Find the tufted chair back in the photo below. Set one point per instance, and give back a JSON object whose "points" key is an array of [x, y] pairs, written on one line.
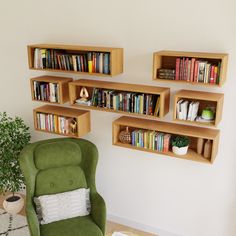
{"points": [[59, 168]]}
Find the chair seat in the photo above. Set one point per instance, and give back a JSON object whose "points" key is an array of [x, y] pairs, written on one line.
{"points": [[78, 226]]}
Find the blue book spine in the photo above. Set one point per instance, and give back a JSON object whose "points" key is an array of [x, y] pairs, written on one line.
{"points": [[106, 63], [138, 104], [97, 62], [78, 63], [133, 138]]}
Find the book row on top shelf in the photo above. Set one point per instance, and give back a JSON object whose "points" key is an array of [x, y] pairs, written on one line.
{"points": [[190, 67], [99, 61]]}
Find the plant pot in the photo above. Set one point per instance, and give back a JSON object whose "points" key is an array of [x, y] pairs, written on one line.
{"points": [[180, 151], [13, 205]]}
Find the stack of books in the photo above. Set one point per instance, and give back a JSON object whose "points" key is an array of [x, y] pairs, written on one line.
{"points": [[151, 140], [166, 74], [147, 104], [187, 110], [54, 123], [192, 70], [46, 91], [92, 62]]}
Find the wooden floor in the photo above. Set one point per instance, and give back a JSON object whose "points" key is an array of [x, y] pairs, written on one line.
{"points": [[110, 227]]}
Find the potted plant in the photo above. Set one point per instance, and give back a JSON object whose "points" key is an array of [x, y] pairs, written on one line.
{"points": [[180, 145], [14, 136]]}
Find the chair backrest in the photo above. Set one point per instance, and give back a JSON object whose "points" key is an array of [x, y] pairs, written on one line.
{"points": [[59, 168], [58, 165]]}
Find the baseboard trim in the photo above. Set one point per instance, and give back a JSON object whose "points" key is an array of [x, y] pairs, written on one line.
{"points": [[139, 226]]}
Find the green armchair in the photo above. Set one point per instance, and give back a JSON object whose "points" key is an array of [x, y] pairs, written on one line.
{"points": [[60, 165]]}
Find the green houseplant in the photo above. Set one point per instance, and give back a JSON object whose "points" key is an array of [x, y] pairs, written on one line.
{"points": [[14, 136], [180, 145]]}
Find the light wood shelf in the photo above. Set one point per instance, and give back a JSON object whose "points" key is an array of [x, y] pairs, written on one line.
{"points": [[205, 100], [167, 60], [116, 57], [63, 87], [164, 93], [82, 118], [176, 129]]}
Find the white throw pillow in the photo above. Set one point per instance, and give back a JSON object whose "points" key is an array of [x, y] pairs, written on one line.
{"points": [[61, 206]]}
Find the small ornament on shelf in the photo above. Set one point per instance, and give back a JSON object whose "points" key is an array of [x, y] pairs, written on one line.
{"points": [[207, 149], [84, 97], [200, 144], [125, 136], [73, 126]]}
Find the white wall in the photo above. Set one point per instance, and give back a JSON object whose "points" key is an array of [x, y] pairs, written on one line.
{"points": [[146, 190]]}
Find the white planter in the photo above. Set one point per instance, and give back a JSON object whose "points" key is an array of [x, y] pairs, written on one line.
{"points": [[180, 151], [13, 207]]}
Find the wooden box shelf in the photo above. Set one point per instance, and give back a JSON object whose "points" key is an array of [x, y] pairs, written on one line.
{"points": [[174, 129], [161, 92], [167, 60], [82, 119], [205, 100], [60, 93], [115, 58]]}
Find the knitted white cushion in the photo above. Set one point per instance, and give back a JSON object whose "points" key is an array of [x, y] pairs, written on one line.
{"points": [[61, 206]]}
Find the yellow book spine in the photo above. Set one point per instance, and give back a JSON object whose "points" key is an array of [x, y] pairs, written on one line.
{"points": [[90, 66]]}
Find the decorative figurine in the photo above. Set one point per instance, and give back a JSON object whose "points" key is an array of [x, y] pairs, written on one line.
{"points": [[84, 94], [73, 126], [84, 97]]}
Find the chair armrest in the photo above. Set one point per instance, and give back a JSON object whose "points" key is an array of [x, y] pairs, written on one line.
{"points": [[32, 221], [98, 211]]}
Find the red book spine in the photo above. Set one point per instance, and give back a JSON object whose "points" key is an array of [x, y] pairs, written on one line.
{"points": [[46, 122], [82, 63], [212, 75], [95, 63], [192, 69], [186, 70], [177, 65], [196, 71], [93, 68], [47, 92], [181, 70]]}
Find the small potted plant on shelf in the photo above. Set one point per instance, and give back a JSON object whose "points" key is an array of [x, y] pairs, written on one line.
{"points": [[180, 145], [14, 136]]}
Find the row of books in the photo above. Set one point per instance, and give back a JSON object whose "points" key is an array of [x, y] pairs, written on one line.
{"points": [[92, 62], [192, 70], [196, 70], [44, 91], [54, 123], [187, 110], [151, 140], [148, 104]]}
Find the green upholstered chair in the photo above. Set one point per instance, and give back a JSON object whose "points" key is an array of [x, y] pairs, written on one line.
{"points": [[60, 165]]}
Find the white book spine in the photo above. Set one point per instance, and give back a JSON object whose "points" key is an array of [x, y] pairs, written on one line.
{"points": [[35, 89], [36, 58], [74, 61], [190, 111]]}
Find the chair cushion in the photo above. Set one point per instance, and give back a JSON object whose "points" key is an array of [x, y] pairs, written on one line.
{"points": [[79, 226], [59, 180], [54, 207], [57, 154]]}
